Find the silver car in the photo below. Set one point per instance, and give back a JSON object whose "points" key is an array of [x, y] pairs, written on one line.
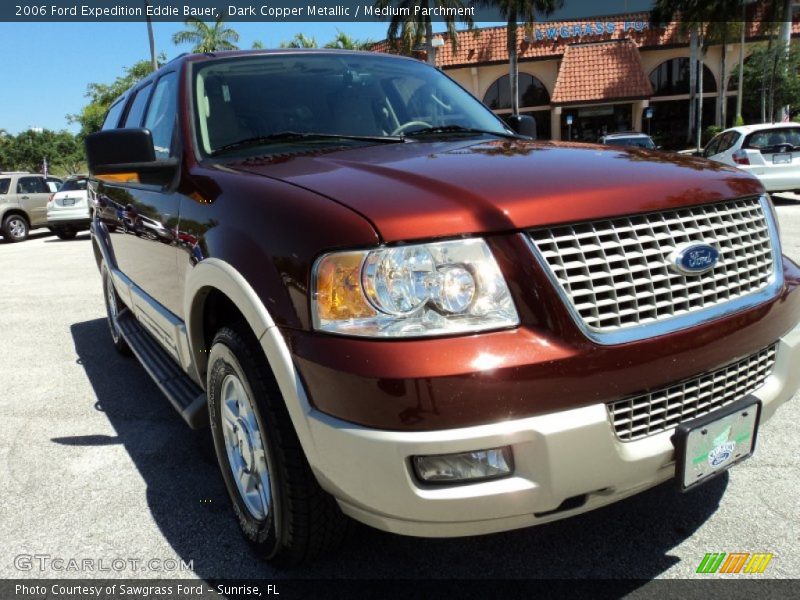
{"points": [[23, 204]]}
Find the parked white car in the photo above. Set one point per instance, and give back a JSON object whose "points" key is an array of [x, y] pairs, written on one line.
{"points": [[771, 152], [70, 209]]}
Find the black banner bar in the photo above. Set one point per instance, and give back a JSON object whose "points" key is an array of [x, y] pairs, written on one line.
{"points": [[742, 587]]}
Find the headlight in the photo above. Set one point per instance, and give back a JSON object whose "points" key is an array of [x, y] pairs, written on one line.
{"points": [[408, 291]]}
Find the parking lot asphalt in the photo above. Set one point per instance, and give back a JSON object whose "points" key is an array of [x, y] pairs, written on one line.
{"points": [[95, 464]]}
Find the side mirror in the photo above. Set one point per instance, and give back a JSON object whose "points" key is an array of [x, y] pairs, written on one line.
{"points": [[127, 156], [523, 125]]}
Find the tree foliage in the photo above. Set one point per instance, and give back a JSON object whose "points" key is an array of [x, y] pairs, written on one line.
{"points": [[101, 95], [772, 79], [344, 41], [27, 151], [408, 32], [300, 41], [207, 37]]}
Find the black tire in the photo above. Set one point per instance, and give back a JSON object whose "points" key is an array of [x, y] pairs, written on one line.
{"points": [[112, 312], [15, 228], [66, 233], [303, 521]]}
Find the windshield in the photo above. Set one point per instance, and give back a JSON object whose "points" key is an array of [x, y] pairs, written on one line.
{"points": [[638, 142], [71, 185], [355, 95]]}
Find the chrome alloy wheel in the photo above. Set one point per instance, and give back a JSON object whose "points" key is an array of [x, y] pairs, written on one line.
{"points": [[245, 448], [112, 309], [17, 227]]}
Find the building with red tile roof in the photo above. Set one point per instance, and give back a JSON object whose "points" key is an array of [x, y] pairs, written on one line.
{"points": [[605, 74]]}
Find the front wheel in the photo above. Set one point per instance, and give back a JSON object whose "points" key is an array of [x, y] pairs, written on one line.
{"points": [[281, 509], [113, 307], [15, 228]]}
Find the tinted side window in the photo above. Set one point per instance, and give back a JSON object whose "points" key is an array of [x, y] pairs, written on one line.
{"points": [[134, 118], [162, 114], [71, 185], [114, 113], [4, 183], [31, 185], [773, 137]]}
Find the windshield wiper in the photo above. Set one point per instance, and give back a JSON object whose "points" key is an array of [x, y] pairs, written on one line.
{"points": [[288, 136], [459, 129]]}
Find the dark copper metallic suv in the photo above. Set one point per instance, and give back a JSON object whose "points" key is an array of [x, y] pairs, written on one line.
{"points": [[389, 305]]}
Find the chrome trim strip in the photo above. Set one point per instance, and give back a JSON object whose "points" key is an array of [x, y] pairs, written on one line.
{"points": [[673, 324]]}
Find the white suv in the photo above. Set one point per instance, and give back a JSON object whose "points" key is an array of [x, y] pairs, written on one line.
{"points": [[771, 152], [70, 209]]}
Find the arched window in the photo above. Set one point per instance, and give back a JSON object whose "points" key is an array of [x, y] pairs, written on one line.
{"points": [[671, 78], [531, 93]]}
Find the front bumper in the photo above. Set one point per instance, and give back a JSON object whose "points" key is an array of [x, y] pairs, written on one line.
{"points": [[566, 455]]}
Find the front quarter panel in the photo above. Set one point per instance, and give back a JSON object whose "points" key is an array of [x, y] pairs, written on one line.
{"points": [[268, 231]]}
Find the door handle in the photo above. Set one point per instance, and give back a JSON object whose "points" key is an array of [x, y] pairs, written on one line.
{"points": [[25, 198]]}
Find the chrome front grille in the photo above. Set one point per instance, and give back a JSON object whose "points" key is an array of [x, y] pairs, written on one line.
{"points": [[617, 274], [653, 412]]}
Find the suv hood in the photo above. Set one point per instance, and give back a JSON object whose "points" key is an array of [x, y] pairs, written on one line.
{"points": [[445, 188]]}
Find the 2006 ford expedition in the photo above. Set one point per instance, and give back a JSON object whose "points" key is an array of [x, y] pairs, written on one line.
{"points": [[390, 306]]}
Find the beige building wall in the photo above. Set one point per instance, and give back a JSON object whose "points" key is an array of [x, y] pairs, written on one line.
{"points": [[478, 79]]}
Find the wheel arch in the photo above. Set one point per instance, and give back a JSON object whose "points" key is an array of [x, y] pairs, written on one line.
{"points": [[15, 210], [217, 282]]}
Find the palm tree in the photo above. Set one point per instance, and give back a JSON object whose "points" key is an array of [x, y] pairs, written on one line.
{"points": [[205, 37], [257, 45], [722, 32], [343, 41], [300, 41], [411, 31], [694, 19], [151, 39], [514, 12]]}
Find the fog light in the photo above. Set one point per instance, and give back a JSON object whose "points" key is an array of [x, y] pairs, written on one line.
{"points": [[465, 466]]}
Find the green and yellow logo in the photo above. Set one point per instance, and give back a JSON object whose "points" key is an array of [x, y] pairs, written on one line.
{"points": [[735, 562]]}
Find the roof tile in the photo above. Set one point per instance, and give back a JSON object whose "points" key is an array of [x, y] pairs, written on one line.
{"points": [[489, 45], [601, 71]]}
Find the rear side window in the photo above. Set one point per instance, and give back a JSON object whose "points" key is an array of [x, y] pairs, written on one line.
{"points": [[4, 183], [768, 139], [136, 112], [162, 113], [32, 185], [114, 113]]}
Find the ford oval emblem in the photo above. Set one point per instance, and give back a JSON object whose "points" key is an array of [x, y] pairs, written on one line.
{"points": [[694, 258]]}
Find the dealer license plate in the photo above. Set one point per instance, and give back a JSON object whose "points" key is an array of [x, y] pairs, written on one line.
{"points": [[711, 444], [782, 159]]}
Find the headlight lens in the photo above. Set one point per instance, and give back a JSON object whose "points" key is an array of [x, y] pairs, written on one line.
{"points": [[409, 291]]}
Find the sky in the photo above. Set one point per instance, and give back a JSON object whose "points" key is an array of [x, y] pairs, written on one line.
{"points": [[45, 67]]}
